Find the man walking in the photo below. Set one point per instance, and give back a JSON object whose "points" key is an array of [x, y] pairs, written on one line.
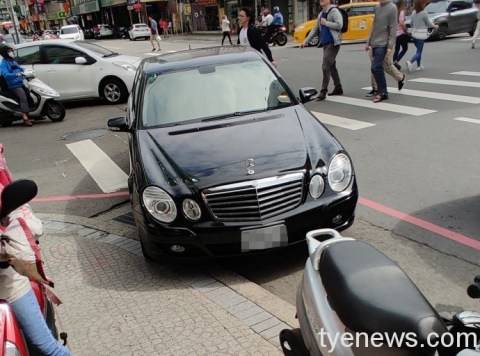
{"points": [[329, 27], [154, 33], [381, 43]]}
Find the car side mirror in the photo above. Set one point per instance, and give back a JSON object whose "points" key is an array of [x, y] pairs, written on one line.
{"points": [[81, 60], [118, 124], [308, 94]]}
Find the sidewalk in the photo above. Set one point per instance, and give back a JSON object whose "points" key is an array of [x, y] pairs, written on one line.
{"points": [[117, 304]]}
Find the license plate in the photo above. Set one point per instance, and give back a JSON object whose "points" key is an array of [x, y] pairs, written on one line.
{"points": [[264, 238]]}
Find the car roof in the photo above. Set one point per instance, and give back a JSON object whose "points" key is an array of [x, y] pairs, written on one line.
{"points": [[70, 26], [45, 42], [201, 56]]}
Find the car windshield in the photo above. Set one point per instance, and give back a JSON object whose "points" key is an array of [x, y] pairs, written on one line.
{"points": [[68, 30], [436, 7], [212, 92], [101, 51], [141, 27]]}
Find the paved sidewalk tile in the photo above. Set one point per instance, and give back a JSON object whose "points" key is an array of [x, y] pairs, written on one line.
{"points": [[114, 303]]}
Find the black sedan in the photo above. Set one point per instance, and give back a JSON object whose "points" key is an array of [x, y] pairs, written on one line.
{"points": [[226, 160]]}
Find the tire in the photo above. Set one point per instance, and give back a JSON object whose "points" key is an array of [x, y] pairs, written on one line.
{"points": [[442, 33], [130, 38], [113, 91], [314, 41], [50, 319], [54, 110], [292, 343], [281, 39]]}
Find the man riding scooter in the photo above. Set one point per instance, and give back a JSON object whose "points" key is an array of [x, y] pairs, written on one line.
{"points": [[13, 75]]}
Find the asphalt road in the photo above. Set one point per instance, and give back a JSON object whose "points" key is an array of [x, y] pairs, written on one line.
{"points": [[422, 169]]}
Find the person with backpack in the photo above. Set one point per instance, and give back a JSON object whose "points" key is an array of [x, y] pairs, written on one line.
{"points": [[380, 44], [330, 25]]}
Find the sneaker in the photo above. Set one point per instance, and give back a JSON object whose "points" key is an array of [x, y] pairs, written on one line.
{"points": [[380, 97], [419, 68], [322, 96], [153, 49], [410, 66], [336, 91], [371, 94], [401, 83], [473, 45]]}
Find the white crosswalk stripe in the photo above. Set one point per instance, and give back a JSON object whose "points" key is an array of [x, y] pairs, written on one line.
{"points": [[103, 170], [467, 73], [467, 119], [433, 95], [341, 121], [402, 109], [458, 83]]}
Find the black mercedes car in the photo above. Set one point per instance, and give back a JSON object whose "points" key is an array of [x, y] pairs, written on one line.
{"points": [[225, 159]]}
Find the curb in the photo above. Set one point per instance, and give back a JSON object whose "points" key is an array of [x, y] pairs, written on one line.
{"points": [[263, 312]]}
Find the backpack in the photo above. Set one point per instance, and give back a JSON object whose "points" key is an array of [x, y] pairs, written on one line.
{"points": [[344, 17]]}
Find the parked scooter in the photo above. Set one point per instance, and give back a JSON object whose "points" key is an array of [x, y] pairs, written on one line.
{"points": [[43, 102], [13, 199], [349, 286], [277, 36]]}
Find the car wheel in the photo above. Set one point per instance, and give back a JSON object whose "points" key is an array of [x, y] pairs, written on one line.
{"points": [[54, 110], [314, 41], [130, 38], [442, 32], [281, 39], [114, 91]]}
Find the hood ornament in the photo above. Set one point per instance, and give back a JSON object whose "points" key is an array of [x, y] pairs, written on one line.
{"points": [[250, 166]]}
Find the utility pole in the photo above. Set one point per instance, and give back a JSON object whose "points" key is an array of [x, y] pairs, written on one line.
{"points": [[13, 16]]}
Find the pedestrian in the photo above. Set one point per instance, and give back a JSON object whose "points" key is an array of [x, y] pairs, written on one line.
{"points": [[381, 43], [13, 76], [226, 29], [401, 44], [277, 17], [329, 28], [267, 18], [251, 36], [154, 36], [164, 26], [477, 30], [421, 23]]}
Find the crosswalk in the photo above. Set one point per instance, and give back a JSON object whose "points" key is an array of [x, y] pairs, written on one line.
{"points": [[353, 123]]}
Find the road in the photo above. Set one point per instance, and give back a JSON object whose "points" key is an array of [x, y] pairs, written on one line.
{"points": [[416, 159]]}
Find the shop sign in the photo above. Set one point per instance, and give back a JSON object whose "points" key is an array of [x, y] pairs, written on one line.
{"points": [[206, 2]]}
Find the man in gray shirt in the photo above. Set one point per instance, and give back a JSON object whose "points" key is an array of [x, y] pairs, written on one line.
{"points": [[381, 42]]}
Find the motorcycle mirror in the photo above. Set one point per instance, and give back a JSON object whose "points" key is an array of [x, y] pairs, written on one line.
{"points": [[17, 194]]}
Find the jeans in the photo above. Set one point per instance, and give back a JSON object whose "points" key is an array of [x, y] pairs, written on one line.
{"points": [[417, 57], [34, 327], [378, 58], [329, 66], [389, 68], [401, 47], [225, 35]]}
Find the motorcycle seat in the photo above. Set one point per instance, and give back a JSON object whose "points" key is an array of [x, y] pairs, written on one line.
{"points": [[370, 293]]}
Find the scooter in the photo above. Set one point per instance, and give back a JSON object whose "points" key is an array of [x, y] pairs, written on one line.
{"points": [[14, 199], [43, 101], [350, 287]]}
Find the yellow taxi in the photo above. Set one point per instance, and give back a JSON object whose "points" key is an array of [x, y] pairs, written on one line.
{"points": [[360, 21]]}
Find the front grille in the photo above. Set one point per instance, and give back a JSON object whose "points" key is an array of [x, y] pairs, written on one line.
{"points": [[255, 200]]}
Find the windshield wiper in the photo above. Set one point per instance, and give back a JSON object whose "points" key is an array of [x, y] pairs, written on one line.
{"points": [[110, 55], [234, 114]]}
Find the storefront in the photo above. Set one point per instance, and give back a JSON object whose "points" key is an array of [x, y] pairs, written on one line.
{"points": [[115, 13], [56, 14], [88, 11], [205, 15]]}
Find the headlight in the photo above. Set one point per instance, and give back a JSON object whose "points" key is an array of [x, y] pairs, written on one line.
{"points": [[316, 187], [340, 172], [159, 204], [191, 209]]}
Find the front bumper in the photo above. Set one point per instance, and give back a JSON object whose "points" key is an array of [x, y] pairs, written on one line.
{"points": [[207, 240]]}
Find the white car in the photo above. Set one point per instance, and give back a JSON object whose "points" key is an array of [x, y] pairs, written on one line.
{"points": [[71, 32], [139, 30], [80, 69], [103, 31]]}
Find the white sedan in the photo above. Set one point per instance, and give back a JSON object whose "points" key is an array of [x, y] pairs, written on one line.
{"points": [[71, 32], [139, 30], [80, 69]]}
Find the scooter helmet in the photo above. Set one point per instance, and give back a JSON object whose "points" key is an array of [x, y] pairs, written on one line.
{"points": [[4, 49], [276, 9]]}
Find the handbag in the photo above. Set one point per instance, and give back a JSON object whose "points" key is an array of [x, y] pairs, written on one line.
{"points": [[420, 33]]}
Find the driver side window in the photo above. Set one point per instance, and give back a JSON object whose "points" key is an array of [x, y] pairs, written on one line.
{"points": [[61, 55]]}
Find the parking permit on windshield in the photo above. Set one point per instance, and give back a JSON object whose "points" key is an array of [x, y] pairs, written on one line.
{"points": [[264, 238]]}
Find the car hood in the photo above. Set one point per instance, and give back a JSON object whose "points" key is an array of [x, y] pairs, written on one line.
{"points": [[216, 152], [123, 59]]}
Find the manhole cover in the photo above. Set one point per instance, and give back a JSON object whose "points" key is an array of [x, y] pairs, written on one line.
{"points": [[84, 134]]}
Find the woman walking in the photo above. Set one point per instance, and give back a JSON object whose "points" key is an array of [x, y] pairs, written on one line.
{"points": [[401, 44], [13, 75], [421, 24], [226, 29]]}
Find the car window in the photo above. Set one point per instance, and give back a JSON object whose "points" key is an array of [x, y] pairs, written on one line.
{"points": [[456, 6], [212, 91], [28, 55], [361, 10], [61, 55], [68, 30]]}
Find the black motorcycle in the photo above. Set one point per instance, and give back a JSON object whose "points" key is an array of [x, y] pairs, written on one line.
{"points": [[276, 35]]}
